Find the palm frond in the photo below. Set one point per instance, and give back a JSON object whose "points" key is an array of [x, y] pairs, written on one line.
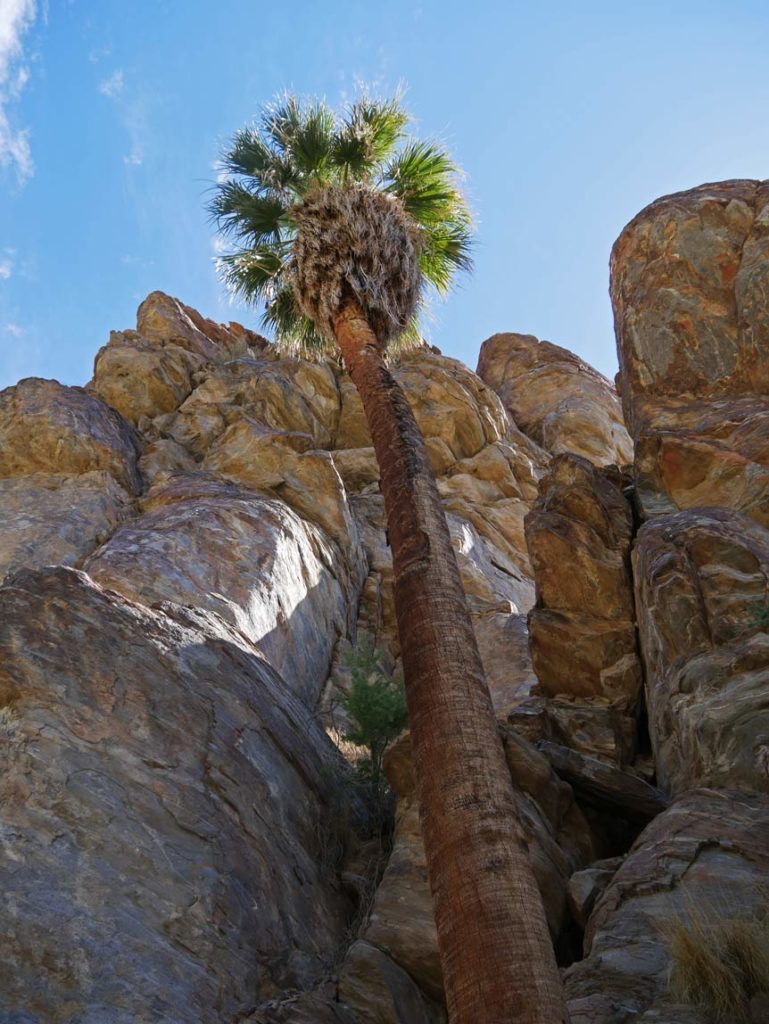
{"points": [[267, 169], [295, 332], [253, 273], [367, 136], [239, 211], [446, 249], [423, 177], [304, 136]]}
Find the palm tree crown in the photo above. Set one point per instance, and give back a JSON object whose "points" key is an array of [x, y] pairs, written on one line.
{"points": [[325, 208]]}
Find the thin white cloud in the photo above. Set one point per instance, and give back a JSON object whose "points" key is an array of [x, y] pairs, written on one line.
{"points": [[13, 330], [16, 17], [6, 269], [112, 86], [131, 111]]}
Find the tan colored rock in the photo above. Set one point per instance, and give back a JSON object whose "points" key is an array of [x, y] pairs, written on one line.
{"points": [[139, 379], [706, 855], [556, 398], [582, 630], [284, 465], [208, 544], [48, 428], [701, 592], [57, 519], [688, 290], [166, 321], [401, 922], [357, 467], [161, 792], [164, 459], [449, 402], [285, 395]]}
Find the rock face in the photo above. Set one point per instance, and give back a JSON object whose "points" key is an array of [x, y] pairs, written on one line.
{"points": [[689, 296], [68, 474], [161, 796], [688, 287], [582, 629], [276, 578], [190, 544], [558, 400], [704, 858], [702, 589]]}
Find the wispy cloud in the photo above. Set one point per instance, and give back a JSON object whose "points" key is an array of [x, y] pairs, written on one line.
{"points": [[7, 262], [112, 86], [12, 330], [131, 112], [16, 17]]}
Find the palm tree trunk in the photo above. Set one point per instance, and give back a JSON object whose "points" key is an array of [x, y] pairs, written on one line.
{"points": [[497, 958]]}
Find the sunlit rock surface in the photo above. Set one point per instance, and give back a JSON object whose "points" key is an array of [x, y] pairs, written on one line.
{"points": [[689, 284], [557, 399]]}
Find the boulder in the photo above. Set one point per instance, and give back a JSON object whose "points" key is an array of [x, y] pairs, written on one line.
{"points": [[56, 519], [161, 798], [284, 465], [701, 592], [688, 286], [212, 545], [563, 404], [582, 628], [704, 859], [48, 428]]}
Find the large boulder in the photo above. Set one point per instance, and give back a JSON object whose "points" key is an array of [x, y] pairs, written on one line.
{"points": [[276, 578], [704, 629], [557, 399], [688, 286], [702, 861], [582, 630], [162, 794], [68, 474], [48, 428]]}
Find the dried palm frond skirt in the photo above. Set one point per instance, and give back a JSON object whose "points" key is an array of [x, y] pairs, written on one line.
{"points": [[356, 242]]}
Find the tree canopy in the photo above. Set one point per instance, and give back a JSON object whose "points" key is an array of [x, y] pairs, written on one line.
{"points": [[296, 150]]}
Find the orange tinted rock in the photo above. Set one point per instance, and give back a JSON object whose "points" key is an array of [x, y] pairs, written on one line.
{"points": [[688, 284]]}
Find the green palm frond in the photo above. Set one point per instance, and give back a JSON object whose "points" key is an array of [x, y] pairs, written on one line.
{"points": [[446, 249], [367, 136], [254, 273], [423, 177], [239, 211], [296, 332], [297, 147]]}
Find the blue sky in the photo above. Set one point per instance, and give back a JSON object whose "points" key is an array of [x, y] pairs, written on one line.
{"points": [[568, 117]]}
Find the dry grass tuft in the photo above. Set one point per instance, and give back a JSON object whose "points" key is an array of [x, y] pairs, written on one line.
{"points": [[354, 241], [718, 964]]}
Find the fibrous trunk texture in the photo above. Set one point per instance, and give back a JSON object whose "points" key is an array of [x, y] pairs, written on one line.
{"points": [[497, 959]]}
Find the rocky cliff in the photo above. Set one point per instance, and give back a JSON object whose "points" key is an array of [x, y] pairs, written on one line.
{"points": [[190, 545]]}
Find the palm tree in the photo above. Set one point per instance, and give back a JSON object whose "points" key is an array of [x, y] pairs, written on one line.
{"points": [[340, 222]]}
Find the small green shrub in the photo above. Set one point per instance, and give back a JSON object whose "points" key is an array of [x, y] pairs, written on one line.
{"points": [[718, 964], [376, 709]]}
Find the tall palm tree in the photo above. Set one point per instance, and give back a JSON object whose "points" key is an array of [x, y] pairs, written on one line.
{"points": [[339, 223]]}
